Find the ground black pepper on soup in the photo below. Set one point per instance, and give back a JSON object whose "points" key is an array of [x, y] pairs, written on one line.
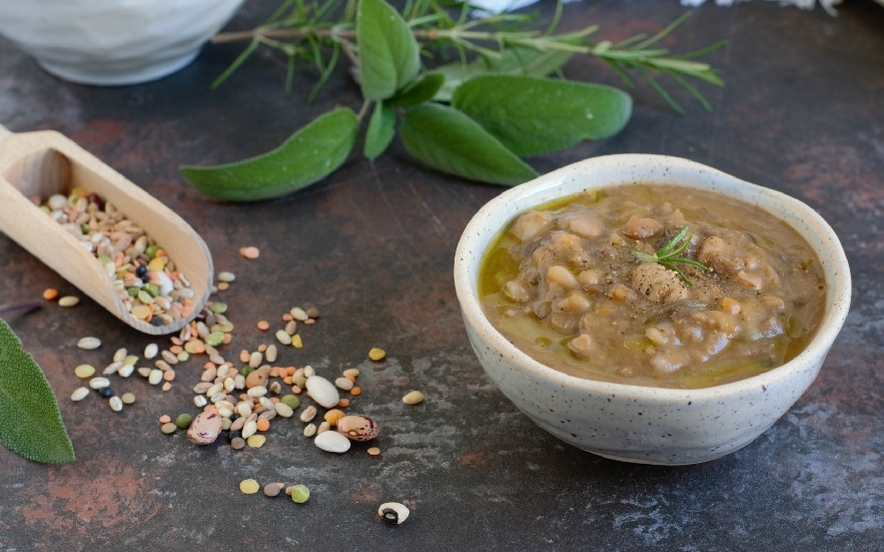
{"points": [[576, 285]]}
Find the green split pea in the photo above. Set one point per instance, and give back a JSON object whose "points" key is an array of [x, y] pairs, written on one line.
{"points": [[300, 494]]}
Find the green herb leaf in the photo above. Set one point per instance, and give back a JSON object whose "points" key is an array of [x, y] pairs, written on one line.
{"points": [[668, 255], [532, 115], [381, 129], [308, 156], [517, 61], [448, 140], [30, 422], [420, 91], [388, 52]]}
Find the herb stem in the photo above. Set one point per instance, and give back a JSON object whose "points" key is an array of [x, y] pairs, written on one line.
{"points": [[308, 28], [28, 306], [668, 255]]}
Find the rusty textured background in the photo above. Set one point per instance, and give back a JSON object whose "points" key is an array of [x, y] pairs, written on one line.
{"points": [[372, 247]]}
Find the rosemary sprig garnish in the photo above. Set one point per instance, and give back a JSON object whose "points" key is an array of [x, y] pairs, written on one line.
{"points": [[668, 255]]}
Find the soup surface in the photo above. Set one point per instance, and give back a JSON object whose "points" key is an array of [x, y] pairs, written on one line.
{"points": [[576, 284]]}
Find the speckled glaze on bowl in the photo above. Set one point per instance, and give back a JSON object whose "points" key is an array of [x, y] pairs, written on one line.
{"points": [[629, 422]]}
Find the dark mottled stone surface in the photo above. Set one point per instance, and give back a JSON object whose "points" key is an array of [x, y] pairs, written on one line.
{"points": [[372, 247]]}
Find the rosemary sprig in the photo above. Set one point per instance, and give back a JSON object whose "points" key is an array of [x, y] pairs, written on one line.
{"points": [[668, 255], [316, 32]]}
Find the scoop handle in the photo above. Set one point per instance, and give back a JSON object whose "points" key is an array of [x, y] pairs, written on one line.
{"points": [[4, 132]]}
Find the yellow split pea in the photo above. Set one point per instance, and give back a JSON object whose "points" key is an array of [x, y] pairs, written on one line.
{"points": [[377, 354], [249, 486]]}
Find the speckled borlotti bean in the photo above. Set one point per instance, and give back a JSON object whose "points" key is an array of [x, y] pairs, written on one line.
{"points": [[205, 428], [358, 428]]}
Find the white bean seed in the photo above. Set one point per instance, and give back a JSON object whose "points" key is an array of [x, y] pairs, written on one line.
{"points": [[89, 343], [79, 393]]}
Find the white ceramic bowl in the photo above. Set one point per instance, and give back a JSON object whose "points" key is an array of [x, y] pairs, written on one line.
{"points": [[630, 422], [112, 42]]}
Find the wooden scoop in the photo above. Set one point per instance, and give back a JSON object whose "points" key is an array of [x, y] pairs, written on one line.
{"points": [[44, 163]]}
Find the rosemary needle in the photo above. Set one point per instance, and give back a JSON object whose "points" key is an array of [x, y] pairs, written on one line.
{"points": [[668, 255]]}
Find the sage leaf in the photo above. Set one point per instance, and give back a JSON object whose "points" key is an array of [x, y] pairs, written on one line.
{"points": [[30, 422], [517, 61], [389, 57], [381, 129], [420, 91], [532, 115], [306, 157], [449, 141]]}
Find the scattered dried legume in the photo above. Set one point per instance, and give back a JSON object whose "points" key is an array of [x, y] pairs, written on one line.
{"points": [[393, 512], [250, 252], [377, 354], [299, 493], [183, 421], [99, 382], [50, 294], [89, 343], [205, 428], [151, 351], [413, 397], [357, 428], [68, 301], [84, 371], [332, 441], [249, 486], [80, 393], [322, 391], [273, 489]]}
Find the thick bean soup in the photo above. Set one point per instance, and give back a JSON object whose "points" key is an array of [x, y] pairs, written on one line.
{"points": [[653, 285]]}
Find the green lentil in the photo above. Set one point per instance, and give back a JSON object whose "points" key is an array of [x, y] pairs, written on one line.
{"points": [[246, 370], [151, 250], [128, 398], [145, 297], [218, 308], [292, 401], [300, 494], [183, 421], [132, 291], [215, 338]]}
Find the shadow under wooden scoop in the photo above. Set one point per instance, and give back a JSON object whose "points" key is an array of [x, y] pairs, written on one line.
{"points": [[44, 163]]}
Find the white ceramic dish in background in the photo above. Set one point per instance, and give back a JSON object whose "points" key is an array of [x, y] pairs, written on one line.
{"points": [[634, 423], [113, 42]]}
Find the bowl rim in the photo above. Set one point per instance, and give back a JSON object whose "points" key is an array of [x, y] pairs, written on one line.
{"points": [[525, 196]]}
